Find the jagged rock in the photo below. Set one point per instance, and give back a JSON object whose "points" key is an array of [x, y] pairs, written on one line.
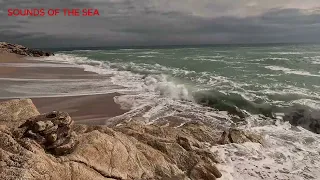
{"points": [[52, 131], [304, 117], [14, 112], [104, 154], [239, 136], [39, 126], [161, 151], [185, 145], [21, 50], [26, 160], [204, 171]]}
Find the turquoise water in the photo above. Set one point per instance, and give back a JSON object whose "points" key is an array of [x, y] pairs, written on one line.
{"points": [[281, 75]]}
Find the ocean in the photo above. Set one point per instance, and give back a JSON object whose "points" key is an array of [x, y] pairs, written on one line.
{"points": [[247, 86]]}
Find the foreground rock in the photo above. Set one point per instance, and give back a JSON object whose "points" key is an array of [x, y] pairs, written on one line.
{"points": [[52, 131], [13, 113], [21, 50], [48, 147]]}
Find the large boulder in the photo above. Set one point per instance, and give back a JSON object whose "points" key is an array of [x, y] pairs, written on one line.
{"points": [[139, 151], [52, 131], [14, 112], [27, 160]]}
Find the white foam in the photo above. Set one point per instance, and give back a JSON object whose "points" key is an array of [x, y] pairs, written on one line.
{"points": [[308, 102], [272, 58], [156, 86], [286, 53], [314, 60], [149, 52], [291, 71], [146, 56], [288, 154], [277, 58]]}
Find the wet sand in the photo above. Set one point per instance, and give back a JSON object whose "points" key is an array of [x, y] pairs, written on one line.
{"points": [[91, 109], [88, 109], [10, 58]]}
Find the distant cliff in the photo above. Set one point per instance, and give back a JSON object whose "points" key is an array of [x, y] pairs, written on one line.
{"points": [[21, 50]]}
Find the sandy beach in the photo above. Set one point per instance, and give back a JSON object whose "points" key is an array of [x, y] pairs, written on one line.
{"points": [[89, 109]]}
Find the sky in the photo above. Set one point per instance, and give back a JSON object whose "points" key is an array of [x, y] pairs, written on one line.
{"points": [[163, 22]]}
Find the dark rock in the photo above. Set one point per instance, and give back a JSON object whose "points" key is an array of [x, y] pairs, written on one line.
{"points": [[239, 136], [39, 126], [304, 117], [66, 147], [52, 131], [21, 50], [52, 138]]}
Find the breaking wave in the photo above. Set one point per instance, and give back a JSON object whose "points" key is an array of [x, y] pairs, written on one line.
{"points": [[162, 93]]}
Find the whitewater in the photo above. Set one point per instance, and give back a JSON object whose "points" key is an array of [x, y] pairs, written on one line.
{"points": [[171, 86]]}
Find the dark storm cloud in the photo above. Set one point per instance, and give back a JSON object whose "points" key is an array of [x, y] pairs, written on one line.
{"points": [[158, 22]]}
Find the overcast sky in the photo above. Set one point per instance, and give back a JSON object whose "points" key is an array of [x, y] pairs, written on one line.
{"points": [[164, 22]]}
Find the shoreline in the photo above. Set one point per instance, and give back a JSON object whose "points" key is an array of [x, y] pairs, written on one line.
{"points": [[165, 133], [17, 71]]}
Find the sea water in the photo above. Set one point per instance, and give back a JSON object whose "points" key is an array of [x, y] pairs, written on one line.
{"points": [[201, 83]]}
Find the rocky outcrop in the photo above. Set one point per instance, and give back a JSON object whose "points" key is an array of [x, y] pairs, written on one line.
{"points": [[52, 131], [304, 117], [21, 50], [167, 152], [13, 113], [141, 157], [49, 146]]}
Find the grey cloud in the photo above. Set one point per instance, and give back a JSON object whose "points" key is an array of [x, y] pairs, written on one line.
{"points": [[158, 22]]}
